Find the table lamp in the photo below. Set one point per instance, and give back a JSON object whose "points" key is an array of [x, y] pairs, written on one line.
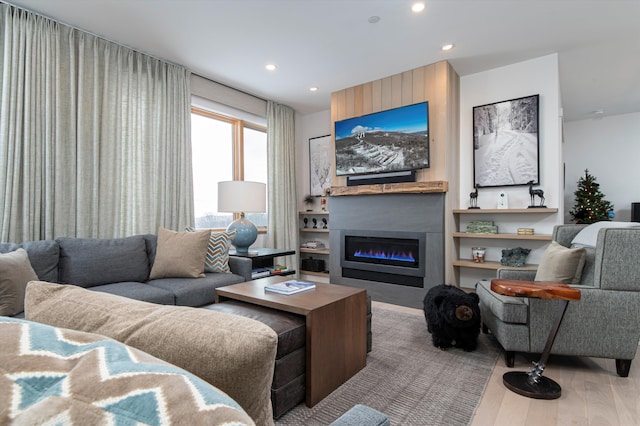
{"points": [[244, 197]]}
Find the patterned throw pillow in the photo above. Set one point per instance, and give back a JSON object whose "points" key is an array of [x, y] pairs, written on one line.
{"points": [[217, 259]]}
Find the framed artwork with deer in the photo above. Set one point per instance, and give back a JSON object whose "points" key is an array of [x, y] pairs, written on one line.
{"points": [[506, 143]]}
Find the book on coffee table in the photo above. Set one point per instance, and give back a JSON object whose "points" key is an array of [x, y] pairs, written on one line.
{"points": [[289, 287]]}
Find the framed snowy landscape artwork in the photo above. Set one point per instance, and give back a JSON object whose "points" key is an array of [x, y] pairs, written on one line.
{"points": [[320, 164], [506, 143]]}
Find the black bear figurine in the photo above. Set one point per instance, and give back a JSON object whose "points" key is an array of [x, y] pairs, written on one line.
{"points": [[453, 317]]}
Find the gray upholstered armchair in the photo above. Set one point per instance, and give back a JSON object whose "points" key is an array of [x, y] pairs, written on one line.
{"points": [[605, 323]]}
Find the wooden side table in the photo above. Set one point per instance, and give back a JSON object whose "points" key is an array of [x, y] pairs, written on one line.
{"points": [[532, 383]]}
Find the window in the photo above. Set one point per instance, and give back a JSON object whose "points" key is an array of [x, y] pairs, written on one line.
{"points": [[224, 148]]}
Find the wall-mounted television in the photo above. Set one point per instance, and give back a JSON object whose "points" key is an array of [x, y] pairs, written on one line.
{"points": [[387, 141]]}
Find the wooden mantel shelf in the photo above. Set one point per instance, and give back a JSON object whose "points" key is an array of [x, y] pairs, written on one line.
{"points": [[391, 188]]}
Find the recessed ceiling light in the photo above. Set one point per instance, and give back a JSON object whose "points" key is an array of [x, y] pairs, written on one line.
{"points": [[270, 67], [418, 7], [447, 46], [313, 89], [373, 19]]}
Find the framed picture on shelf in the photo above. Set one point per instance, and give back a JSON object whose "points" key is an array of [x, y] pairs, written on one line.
{"points": [[506, 143], [320, 165]]}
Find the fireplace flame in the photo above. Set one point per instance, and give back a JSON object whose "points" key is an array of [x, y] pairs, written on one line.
{"points": [[373, 254]]}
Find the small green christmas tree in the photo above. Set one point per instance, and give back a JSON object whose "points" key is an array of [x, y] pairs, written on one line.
{"points": [[590, 204]]}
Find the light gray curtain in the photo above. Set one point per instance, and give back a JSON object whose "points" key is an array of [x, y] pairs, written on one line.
{"points": [[281, 159], [94, 137]]}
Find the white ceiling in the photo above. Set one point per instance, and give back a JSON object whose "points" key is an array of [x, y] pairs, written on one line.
{"points": [[330, 43]]}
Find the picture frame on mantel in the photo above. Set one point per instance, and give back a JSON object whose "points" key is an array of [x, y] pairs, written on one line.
{"points": [[506, 143], [320, 165]]}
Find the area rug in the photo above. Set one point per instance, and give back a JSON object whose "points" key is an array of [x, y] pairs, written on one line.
{"points": [[407, 378]]}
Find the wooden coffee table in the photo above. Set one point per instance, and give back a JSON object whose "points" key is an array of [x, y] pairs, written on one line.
{"points": [[336, 330]]}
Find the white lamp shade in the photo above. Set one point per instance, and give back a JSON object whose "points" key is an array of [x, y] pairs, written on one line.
{"points": [[242, 196]]}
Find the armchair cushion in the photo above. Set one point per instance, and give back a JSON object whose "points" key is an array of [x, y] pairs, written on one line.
{"points": [[561, 265]]}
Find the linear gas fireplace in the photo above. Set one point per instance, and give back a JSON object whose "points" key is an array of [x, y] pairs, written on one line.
{"points": [[396, 250], [383, 256]]}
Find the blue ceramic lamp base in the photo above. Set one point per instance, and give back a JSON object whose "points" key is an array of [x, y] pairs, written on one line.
{"points": [[246, 234]]}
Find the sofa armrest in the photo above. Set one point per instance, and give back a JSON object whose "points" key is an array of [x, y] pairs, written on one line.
{"points": [[241, 266], [231, 352], [516, 274]]}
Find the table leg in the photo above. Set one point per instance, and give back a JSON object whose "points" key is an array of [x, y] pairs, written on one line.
{"points": [[532, 383]]}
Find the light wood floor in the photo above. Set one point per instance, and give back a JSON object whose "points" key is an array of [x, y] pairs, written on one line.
{"points": [[592, 393]]}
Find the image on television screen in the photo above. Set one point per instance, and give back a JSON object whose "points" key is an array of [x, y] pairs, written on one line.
{"points": [[386, 141]]}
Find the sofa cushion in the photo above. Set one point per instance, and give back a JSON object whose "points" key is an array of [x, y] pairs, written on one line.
{"points": [[561, 265], [43, 256], [87, 262], [15, 273], [51, 376], [217, 258], [138, 291], [195, 291], [180, 254], [233, 353], [506, 308]]}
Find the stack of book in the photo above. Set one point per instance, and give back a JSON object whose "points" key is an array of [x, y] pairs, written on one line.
{"points": [[277, 269], [289, 287], [525, 231], [482, 227], [260, 273], [314, 245]]}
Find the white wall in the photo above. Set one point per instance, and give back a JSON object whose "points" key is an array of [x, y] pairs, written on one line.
{"points": [[308, 126], [610, 148], [536, 76]]}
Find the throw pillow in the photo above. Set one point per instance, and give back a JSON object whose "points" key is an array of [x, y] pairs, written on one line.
{"points": [[180, 254], [561, 265], [588, 236], [217, 258], [15, 273]]}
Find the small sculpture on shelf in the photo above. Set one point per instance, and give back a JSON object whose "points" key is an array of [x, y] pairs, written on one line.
{"points": [[308, 201], [324, 223], [514, 257], [306, 221], [315, 223], [473, 198], [533, 193]]}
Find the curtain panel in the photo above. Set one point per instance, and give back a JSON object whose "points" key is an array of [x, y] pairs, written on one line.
{"points": [[94, 137], [281, 160]]}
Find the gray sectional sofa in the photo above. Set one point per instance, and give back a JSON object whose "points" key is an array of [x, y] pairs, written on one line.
{"points": [[121, 266]]}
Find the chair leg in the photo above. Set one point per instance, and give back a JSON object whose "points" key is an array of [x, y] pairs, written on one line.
{"points": [[509, 358], [623, 366]]}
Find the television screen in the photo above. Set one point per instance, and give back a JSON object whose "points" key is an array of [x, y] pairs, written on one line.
{"points": [[386, 141]]}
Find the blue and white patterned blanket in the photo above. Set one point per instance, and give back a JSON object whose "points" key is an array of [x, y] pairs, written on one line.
{"points": [[59, 376]]}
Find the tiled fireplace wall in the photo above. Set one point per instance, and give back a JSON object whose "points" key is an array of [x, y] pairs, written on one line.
{"points": [[420, 213]]}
